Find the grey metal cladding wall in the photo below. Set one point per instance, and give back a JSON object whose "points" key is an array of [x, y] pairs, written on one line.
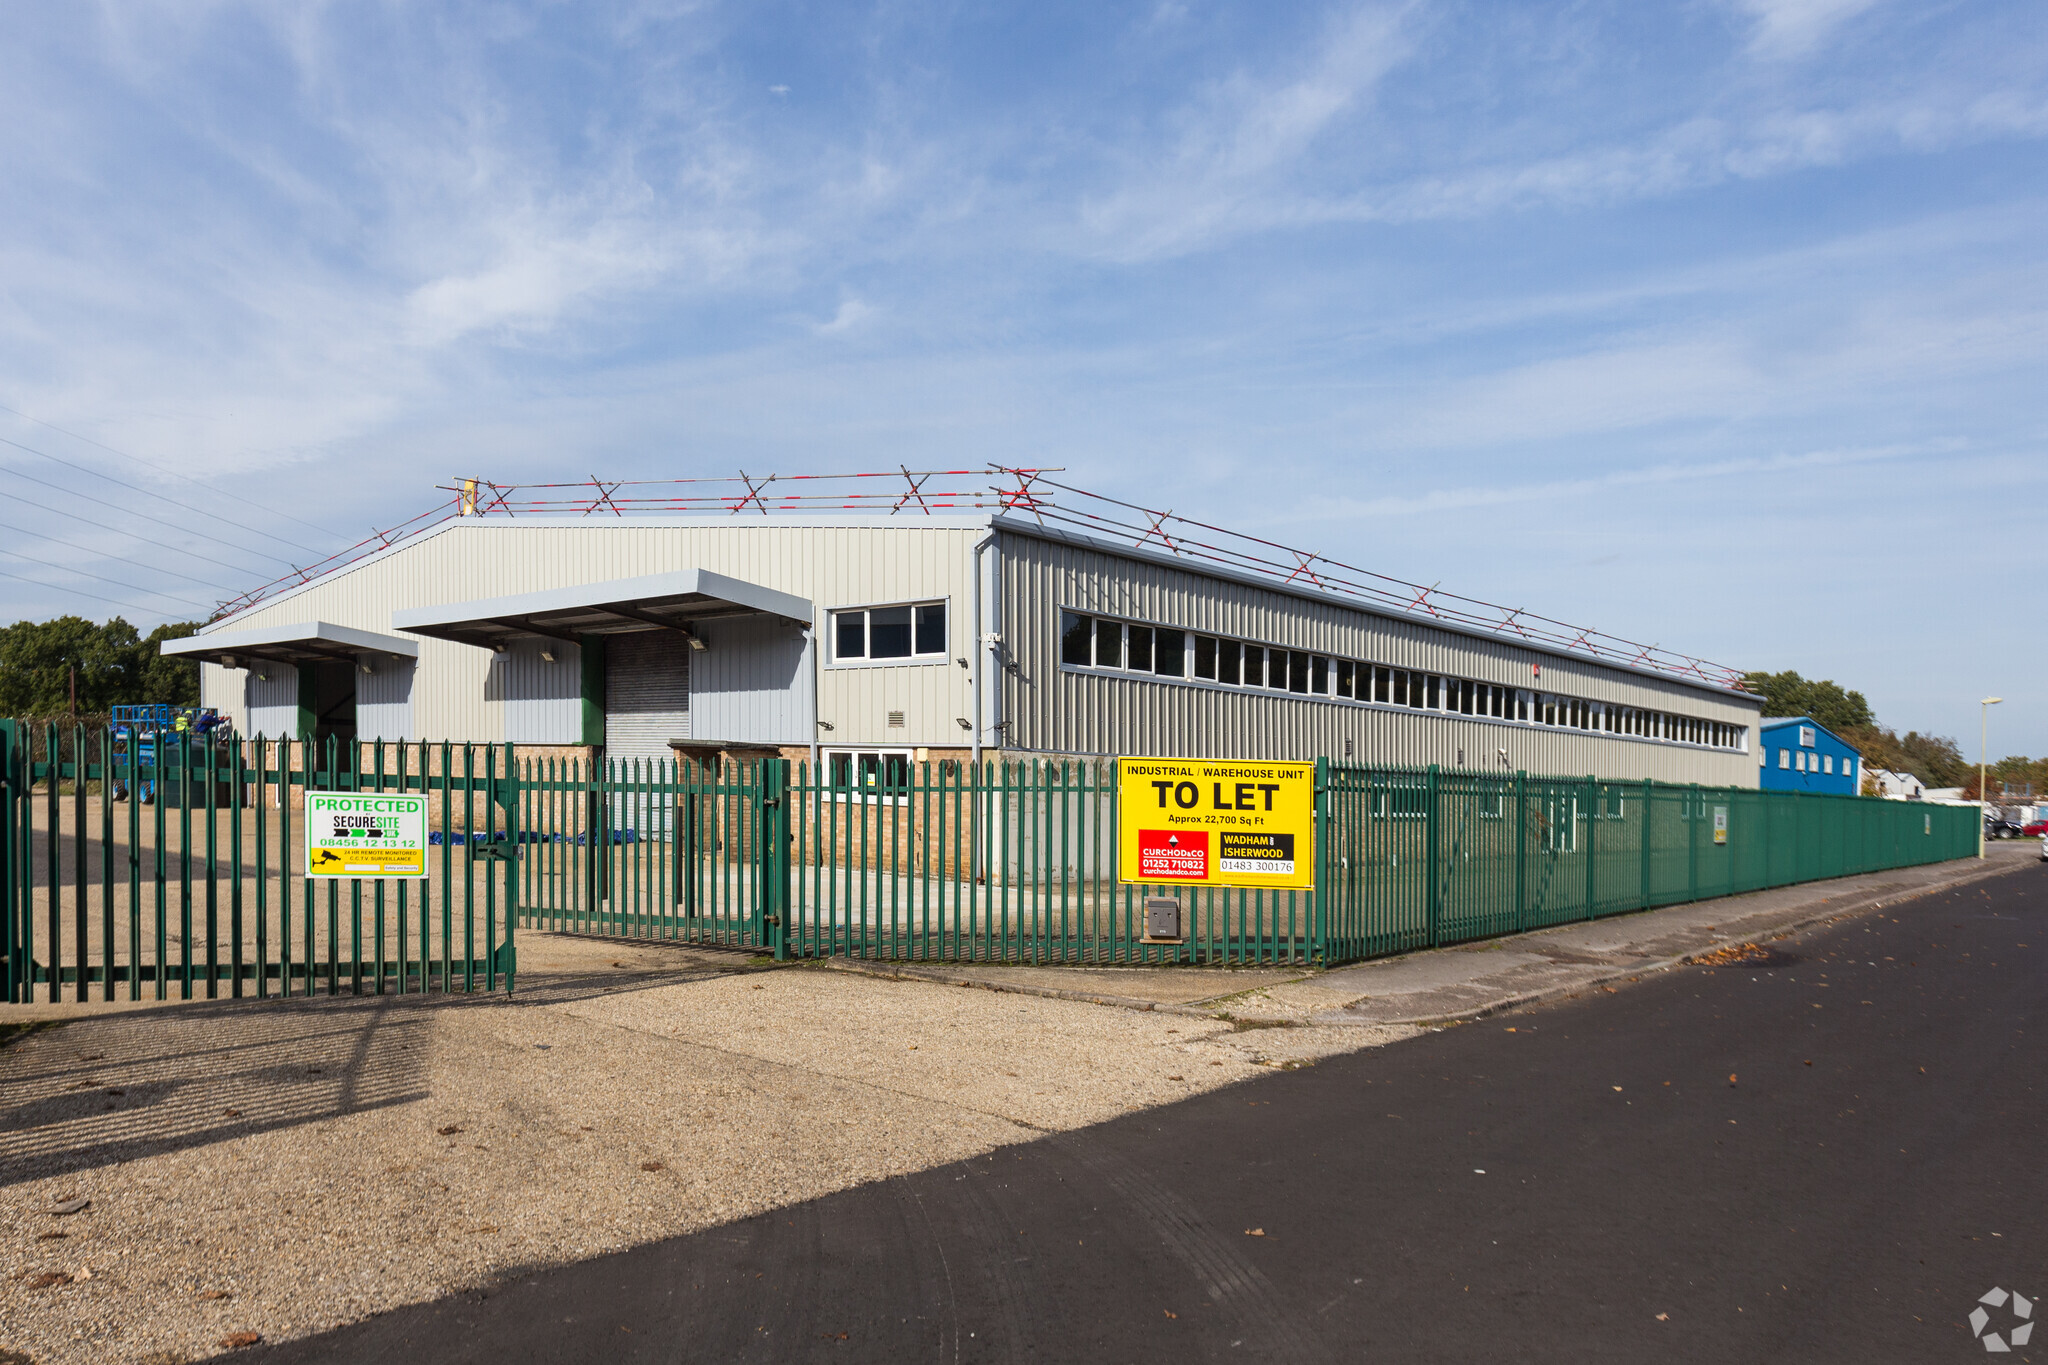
{"points": [[226, 691], [753, 683], [272, 703], [1050, 709], [384, 701], [543, 701]]}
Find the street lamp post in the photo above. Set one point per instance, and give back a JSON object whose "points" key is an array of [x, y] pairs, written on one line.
{"points": [[1983, 761]]}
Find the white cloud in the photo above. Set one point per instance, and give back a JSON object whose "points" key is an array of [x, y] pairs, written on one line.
{"points": [[852, 312], [1794, 28], [1597, 487], [1231, 151]]}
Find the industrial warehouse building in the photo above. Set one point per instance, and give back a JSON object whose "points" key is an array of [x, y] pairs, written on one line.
{"points": [[868, 642]]}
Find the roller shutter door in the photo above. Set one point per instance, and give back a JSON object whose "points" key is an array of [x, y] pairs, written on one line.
{"points": [[646, 694]]}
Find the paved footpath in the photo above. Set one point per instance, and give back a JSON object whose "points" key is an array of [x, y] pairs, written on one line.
{"points": [[1827, 1151], [1471, 980]]}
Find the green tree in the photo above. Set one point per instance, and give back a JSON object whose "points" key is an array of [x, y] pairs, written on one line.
{"points": [[174, 680], [113, 666], [1788, 694], [1934, 759]]}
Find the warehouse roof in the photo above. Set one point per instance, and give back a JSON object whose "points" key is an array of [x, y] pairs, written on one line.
{"points": [[619, 606], [301, 642]]}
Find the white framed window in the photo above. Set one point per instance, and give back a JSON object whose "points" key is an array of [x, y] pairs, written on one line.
{"points": [[1784, 758], [900, 632], [1557, 822], [1827, 764], [869, 774], [1806, 736]]}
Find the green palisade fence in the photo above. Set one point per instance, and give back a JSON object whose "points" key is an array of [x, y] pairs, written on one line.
{"points": [[172, 869], [198, 892], [1016, 861]]}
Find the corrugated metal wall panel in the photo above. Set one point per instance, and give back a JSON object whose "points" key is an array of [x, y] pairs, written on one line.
{"points": [[1054, 710], [224, 690], [646, 694], [384, 701], [271, 706], [753, 683], [542, 702]]}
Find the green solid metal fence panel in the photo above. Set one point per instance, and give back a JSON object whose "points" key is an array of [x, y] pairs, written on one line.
{"points": [[168, 866]]}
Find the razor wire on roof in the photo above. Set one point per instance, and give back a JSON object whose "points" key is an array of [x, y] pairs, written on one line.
{"points": [[1159, 530], [1029, 492]]}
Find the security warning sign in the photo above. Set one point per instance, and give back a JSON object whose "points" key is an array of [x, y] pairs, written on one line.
{"points": [[1214, 823], [365, 834]]}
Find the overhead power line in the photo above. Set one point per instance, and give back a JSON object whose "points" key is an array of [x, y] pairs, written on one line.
{"points": [[101, 578], [75, 592], [129, 511], [160, 497], [190, 554], [164, 468], [107, 554]]}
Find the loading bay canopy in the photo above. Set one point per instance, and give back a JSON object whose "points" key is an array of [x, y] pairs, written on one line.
{"points": [[303, 643], [620, 606]]}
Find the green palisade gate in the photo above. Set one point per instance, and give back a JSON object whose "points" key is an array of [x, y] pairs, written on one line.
{"points": [[200, 892]]}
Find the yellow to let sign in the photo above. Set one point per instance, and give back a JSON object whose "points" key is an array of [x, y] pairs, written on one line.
{"points": [[1206, 822]]}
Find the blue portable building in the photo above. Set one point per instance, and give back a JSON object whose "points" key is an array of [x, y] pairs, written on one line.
{"points": [[1798, 753]]}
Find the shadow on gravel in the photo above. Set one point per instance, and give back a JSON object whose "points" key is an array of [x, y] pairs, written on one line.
{"points": [[101, 1089], [112, 1088]]}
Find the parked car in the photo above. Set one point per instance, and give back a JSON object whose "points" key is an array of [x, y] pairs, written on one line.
{"points": [[2001, 829], [2035, 830]]}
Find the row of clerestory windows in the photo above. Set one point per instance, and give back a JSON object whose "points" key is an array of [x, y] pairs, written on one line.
{"points": [[1165, 653]]}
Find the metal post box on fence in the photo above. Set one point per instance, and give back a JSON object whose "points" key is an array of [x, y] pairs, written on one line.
{"points": [[1163, 920]]}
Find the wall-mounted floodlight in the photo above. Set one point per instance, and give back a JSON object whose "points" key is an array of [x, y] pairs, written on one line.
{"points": [[963, 722], [824, 725], [547, 654], [227, 661], [696, 643]]}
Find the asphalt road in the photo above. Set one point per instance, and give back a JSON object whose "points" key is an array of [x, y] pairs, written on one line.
{"points": [[1827, 1156]]}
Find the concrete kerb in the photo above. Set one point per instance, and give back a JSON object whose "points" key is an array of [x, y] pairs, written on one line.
{"points": [[1782, 929], [1795, 922], [897, 972]]}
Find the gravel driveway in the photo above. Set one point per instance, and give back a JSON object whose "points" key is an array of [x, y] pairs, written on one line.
{"points": [[279, 1168]]}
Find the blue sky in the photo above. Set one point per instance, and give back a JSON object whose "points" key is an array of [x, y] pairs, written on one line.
{"points": [[1722, 324]]}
